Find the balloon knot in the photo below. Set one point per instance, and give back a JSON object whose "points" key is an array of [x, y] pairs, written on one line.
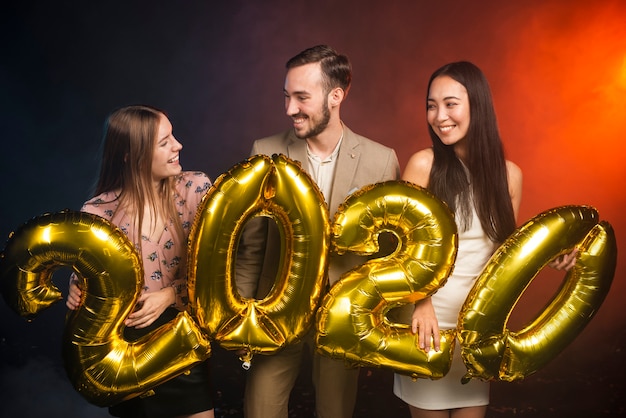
{"points": [[246, 360]]}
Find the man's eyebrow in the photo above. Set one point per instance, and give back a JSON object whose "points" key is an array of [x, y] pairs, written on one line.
{"points": [[299, 92]]}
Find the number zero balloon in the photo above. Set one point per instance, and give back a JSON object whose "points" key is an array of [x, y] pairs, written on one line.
{"points": [[489, 349], [260, 186]]}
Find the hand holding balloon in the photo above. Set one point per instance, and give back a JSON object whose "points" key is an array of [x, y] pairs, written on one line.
{"points": [[424, 323], [74, 295], [564, 261], [150, 306]]}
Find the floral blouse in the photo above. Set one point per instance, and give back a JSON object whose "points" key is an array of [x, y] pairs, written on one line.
{"points": [[165, 260]]}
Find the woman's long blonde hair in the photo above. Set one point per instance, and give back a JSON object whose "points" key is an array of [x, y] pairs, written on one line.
{"points": [[130, 136]]}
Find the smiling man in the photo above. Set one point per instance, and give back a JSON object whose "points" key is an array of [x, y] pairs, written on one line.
{"points": [[340, 162]]}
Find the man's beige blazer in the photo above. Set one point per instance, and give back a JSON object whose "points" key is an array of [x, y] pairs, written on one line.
{"points": [[360, 162]]}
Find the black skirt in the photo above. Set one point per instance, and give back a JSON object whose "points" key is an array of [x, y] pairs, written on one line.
{"points": [[188, 393]]}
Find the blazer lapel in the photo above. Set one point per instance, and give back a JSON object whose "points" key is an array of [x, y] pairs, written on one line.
{"points": [[345, 170], [296, 150]]}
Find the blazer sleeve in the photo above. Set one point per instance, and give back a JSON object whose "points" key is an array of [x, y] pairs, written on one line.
{"points": [[392, 168], [250, 256]]}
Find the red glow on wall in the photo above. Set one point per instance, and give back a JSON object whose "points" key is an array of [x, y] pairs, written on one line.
{"points": [[563, 114]]}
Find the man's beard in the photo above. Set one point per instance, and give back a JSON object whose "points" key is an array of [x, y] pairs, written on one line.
{"points": [[320, 126]]}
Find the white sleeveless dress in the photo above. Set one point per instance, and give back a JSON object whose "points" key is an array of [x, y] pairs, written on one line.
{"points": [[474, 251]]}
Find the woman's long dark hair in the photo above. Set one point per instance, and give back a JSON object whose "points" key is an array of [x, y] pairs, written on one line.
{"points": [[485, 181]]}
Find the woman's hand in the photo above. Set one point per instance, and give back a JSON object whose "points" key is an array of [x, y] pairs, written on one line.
{"points": [[425, 324], [150, 307], [564, 261], [73, 298]]}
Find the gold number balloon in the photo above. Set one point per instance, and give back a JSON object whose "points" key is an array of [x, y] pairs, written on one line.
{"points": [[352, 322], [101, 365], [260, 186], [489, 349]]}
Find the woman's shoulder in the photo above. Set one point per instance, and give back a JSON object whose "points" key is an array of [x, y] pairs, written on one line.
{"points": [[103, 204], [511, 166], [193, 182], [105, 198], [196, 177], [423, 158], [418, 167], [514, 172], [514, 179]]}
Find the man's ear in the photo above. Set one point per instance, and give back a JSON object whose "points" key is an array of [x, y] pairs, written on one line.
{"points": [[335, 97]]}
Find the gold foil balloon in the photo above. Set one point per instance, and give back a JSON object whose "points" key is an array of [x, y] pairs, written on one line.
{"points": [[277, 188], [352, 322], [101, 365], [489, 349]]}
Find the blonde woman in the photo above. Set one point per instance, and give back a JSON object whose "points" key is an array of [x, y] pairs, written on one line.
{"points": [[143, 190]]}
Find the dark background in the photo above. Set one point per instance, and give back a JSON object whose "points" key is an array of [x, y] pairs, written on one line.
{"points": [[558, 73]]}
